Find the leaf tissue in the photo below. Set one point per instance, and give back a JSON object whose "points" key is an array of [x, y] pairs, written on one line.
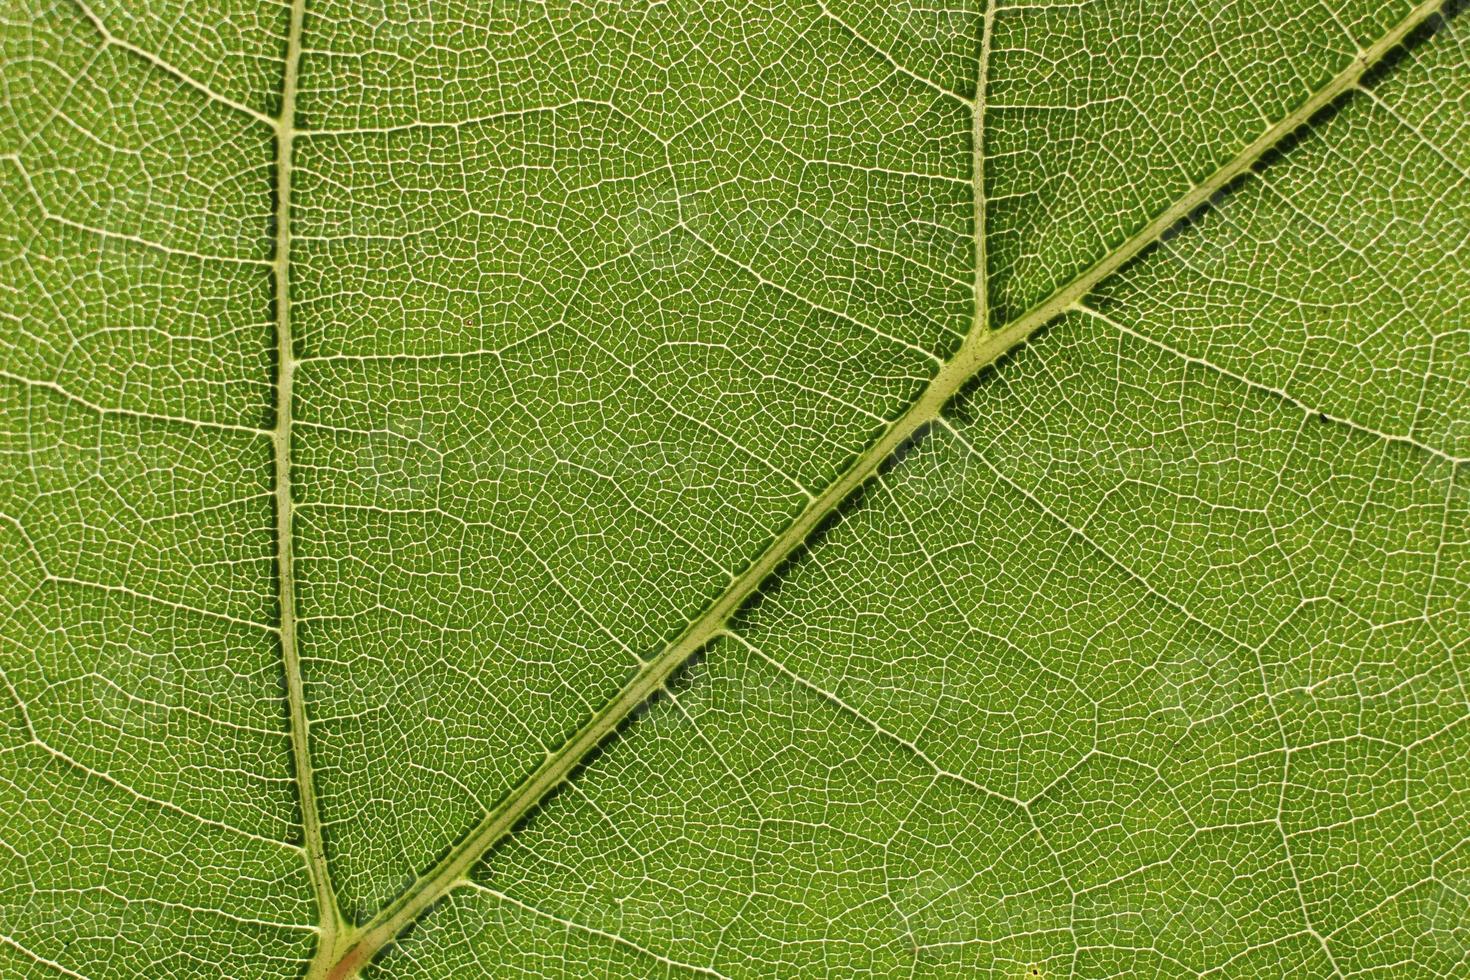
{"points": [[699, 487]]}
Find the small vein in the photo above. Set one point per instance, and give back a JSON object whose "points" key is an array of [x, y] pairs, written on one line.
{"points": [[1393, 114], [893, 737], [893, 62], [592, 931], [180, 606], [1088, 539], [156, 801], [124, 693], [138, 240], [470, 121], [168, 68], [40, 960], [788, 291], [180, 906], [1410, 441], [106, 410]]}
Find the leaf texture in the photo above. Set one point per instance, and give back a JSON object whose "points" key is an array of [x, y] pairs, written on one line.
{"points": [[786, 489]]}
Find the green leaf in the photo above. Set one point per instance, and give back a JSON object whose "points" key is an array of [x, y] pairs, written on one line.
{"points": [[788, 489]]}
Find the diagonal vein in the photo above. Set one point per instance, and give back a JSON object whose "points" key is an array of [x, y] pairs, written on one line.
{"points": [[168, 68], [1398, 438], [981, 348], [593, 931]]}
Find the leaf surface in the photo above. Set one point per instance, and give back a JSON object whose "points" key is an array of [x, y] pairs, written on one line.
{"points": [[745, 490]]}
